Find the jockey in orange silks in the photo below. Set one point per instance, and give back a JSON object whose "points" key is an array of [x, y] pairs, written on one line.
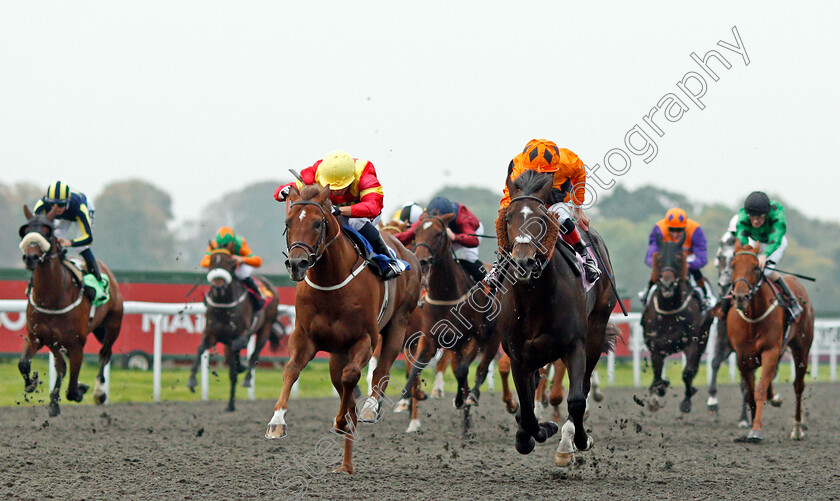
{"points": [[246, 261], [568, 194]]}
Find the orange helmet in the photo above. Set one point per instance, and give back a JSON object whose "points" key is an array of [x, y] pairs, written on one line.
{"points": [[540, 155], [676, 218]]}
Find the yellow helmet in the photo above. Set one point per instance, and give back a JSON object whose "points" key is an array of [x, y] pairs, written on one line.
{"points": [[58, 193], [337, 169]]}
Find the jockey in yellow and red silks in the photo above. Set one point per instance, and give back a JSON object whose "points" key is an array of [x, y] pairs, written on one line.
{"points": [[568, 194]]}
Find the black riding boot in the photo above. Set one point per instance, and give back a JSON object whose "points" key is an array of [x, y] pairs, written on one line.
{"points": [[256, 295], [793, 306], [92, 265], [375, 238], [474, 268], [589, 266]]}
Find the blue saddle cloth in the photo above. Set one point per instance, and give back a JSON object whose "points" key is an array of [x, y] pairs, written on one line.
{"points": [[380, 261]]}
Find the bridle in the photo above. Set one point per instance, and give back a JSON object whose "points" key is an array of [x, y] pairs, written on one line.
{"points": [[55, 245], [753, 287], [673, 285], [313, 254], [542, 260], [439, 247]]}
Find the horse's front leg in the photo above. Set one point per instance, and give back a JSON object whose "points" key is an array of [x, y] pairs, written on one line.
{"points": [[301, 352], [658, 385], [233, 374], [345, 422], [481, 372], [768, 368], [528, 425], [692, 363], [75, 390], [575, 361], [722, 351], [507, 396], [205, 345], [60, 371], [25, 364]]}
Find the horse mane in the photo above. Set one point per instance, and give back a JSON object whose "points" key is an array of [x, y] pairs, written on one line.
{"points": [[501, 230], [310, 191], [531, 182]]}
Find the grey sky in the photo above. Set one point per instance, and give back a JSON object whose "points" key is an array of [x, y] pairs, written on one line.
{"points": [[204, 97]]}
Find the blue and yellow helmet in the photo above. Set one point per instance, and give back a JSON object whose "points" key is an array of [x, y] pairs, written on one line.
{"points": [[58, 193]]}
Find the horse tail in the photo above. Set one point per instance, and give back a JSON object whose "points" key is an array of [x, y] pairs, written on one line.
{"points": [[273, 338], [611, 337]]}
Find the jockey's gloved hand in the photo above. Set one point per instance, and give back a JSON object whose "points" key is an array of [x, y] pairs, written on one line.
{"points": [[336, 211], [284, 193]]}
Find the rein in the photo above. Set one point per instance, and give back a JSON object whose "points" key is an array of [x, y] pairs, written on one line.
{"points": [[43, 258]]}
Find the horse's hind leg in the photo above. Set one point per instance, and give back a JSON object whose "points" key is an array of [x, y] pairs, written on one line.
{"points": [[25, 364], [60, 371], [440, 369], [262, 339], [507, 396], [462, 360], [232, 356], [722, 351], [659, 385], [75, 390], [301, 352], [481, 371], [556, 396], [575, 362], [107, 332], [800, 358]]}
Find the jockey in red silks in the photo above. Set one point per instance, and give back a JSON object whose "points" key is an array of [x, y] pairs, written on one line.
{"points": [[356, 196], [670, 229], [462, 231]]}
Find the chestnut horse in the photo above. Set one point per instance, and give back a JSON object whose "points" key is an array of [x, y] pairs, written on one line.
{"points": [[231, 320], [674, 321], [59, 314], [545, 313], [341, 307], [759, 334], [451, 316]]}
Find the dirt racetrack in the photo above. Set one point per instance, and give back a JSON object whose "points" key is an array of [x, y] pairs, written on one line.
{"points": [[195, 451]]}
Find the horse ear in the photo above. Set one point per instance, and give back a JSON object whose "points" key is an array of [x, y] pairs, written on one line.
{"points": [[545, 191], [26, 212], [324, 195], [659, 239], [511, 187], [682, 240], [738, 245], [294, 193], [448, 218]]}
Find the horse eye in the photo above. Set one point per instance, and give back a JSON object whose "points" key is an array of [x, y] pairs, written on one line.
{"points": [[317, 225]]}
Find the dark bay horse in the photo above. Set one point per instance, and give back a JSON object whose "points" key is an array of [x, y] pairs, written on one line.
{"points": [[59, 314], [760, 334], [232, 319], [546, 314], [454, 314], [674, 321], [340, 308]]}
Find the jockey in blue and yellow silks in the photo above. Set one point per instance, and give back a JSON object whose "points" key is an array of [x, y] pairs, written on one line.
{"points": [[72, 215]]}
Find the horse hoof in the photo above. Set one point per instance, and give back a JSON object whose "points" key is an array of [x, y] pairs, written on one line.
{"points": [[743, 424], [598, 396], [685, 406], [511, 407], [563, 459], [458, 405], [714, 409], [100, 398], [437, 393], [472, 400], [192, 383], [54, 410], [590, 442], [275, 431], [345, 468], [776, 401], [551, 428], [798, 433], [653, 404], [246, 383], [525, 446], [755, 437], [413, 426], [371, 412], [402, 406]]}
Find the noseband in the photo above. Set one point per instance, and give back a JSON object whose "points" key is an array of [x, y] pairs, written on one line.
{"points": [[311, 251], [54, 244], [441, 242]]}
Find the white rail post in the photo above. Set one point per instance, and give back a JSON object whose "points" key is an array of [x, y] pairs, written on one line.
{"points": [[106, 386], [832, 361], [53, 375], [156, 358], [611, 368], [491, 376], [252, 345], [733, 367], [296, 389], [636, 346], [372, 363], [205, 375], [792, 368]]}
